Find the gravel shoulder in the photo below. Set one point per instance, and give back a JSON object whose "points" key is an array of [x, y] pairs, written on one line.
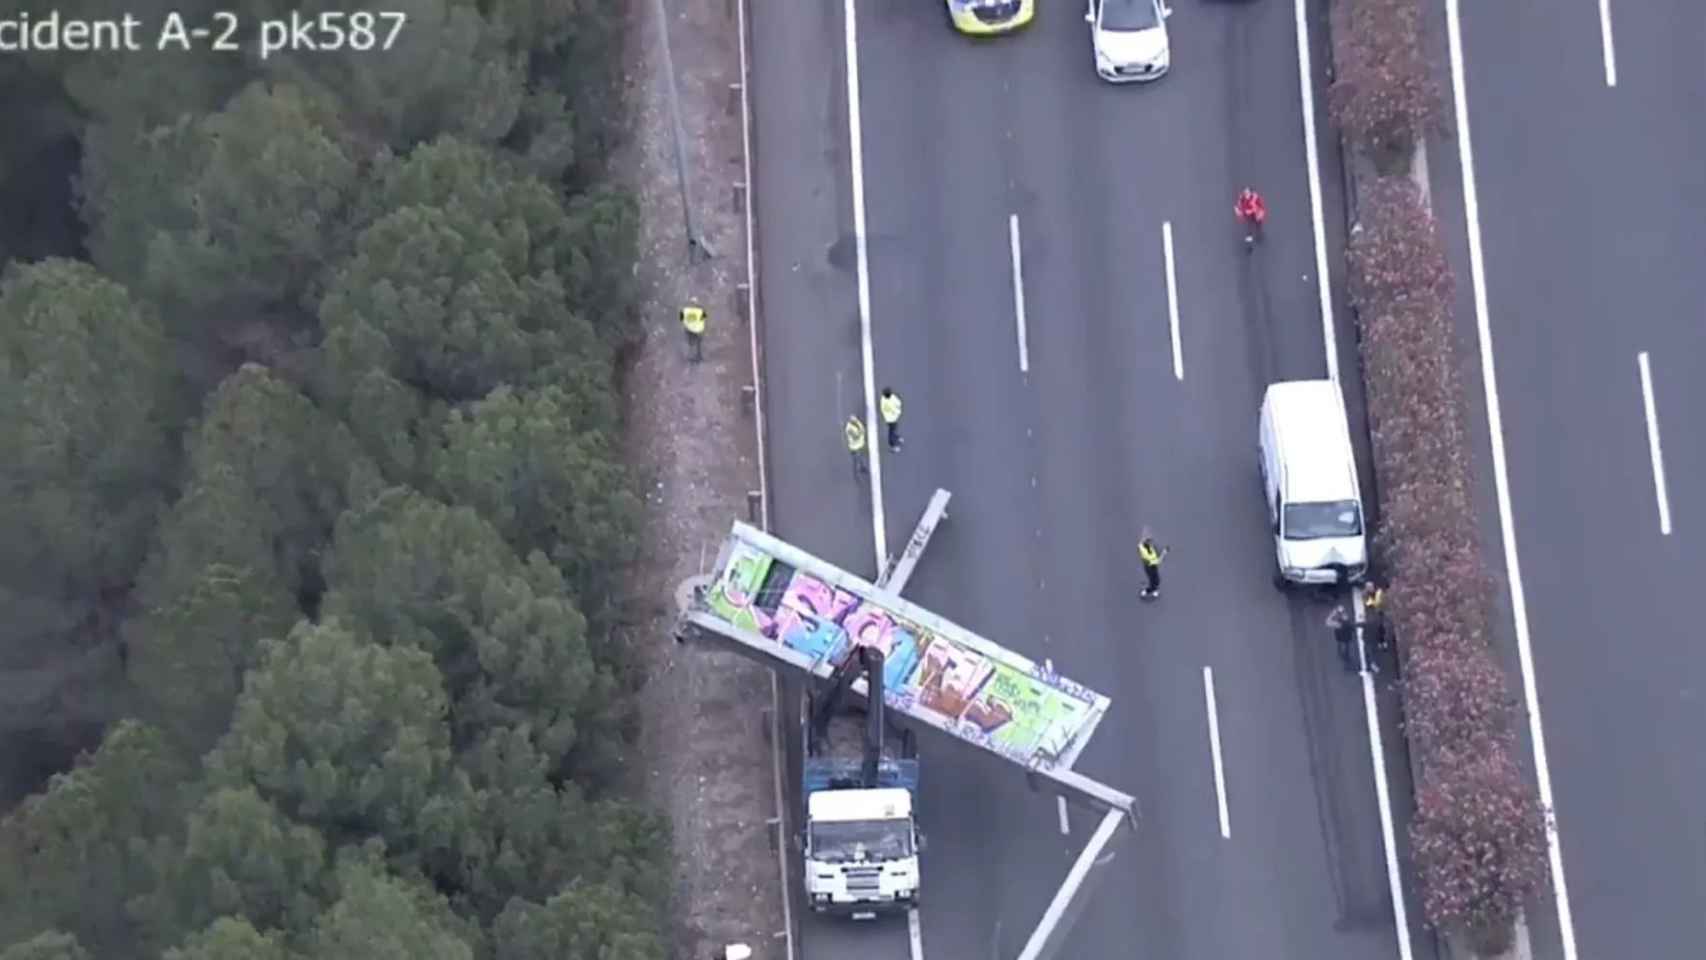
{"points": [[707, 762]]}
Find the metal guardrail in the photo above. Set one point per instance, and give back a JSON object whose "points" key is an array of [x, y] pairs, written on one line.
{"points": [[761, 515]]}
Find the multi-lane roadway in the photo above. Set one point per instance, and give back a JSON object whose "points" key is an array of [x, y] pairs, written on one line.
{"points": [[1586, 163], [981, 162]]}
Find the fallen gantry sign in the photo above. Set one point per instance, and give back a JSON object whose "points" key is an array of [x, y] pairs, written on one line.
{"points": [[777, 604]]}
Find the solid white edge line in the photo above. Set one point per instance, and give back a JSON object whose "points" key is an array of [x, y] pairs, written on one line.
{"points": [[1653, 442], [1214, 751], [1312, 157], [1371, 714], [1371, 707], [1172, 299], [1382, 790], [1606, 42], [856, 146], [1501, 481], [1018, 289]]}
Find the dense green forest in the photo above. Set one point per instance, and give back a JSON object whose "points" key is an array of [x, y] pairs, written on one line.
{"points": [[315, 533]]}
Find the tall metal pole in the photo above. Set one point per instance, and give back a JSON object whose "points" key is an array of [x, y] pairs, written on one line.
{"points": [[696, 245]]}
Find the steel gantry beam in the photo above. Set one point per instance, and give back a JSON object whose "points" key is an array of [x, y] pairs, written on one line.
{"points": [[900, 570]]}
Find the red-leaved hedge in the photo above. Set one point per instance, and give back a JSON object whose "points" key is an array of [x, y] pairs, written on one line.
{"points": [[1383, 95], [1479, 841], [1478, 835]]}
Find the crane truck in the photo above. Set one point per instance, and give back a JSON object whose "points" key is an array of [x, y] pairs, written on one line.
{"points": [[860, 840], [848, 638]]}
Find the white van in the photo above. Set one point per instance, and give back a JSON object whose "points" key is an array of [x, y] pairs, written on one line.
{"points": [[1309, 477]]}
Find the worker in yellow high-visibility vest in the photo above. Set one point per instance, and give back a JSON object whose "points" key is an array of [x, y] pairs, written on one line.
{"points": [[1374, 599], [1374, 619], [1150, 555], [693, 318], [854, 432], [889, 406]]}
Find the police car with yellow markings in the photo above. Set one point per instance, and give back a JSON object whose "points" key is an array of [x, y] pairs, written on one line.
{"points": [[984, 17]]}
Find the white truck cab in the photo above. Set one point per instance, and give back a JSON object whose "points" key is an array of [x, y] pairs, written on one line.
{"points": [[861, 850], [1309, 478]]}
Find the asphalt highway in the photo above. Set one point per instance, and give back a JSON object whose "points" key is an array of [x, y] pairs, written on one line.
{"points": [[1055, 469], [1591, 198]]}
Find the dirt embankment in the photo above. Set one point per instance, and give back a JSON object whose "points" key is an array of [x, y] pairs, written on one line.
{"points": [[707, 761]]}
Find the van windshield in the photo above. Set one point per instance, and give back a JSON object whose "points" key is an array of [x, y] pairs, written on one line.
{"points": [[1319, 521]]}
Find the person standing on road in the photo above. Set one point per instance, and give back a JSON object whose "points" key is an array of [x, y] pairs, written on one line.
{"points": [[1344, 626], [889, 405], [854, 432], [693, 318], [1344, 629], [1151, 556], [1374, 614], [1252, 211]]}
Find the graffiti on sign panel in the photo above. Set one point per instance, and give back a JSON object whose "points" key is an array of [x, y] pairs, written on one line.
{"points": [[807, 621], [997, 699], [1033, 716], [870, 626], [733, 594], [949, 677]]}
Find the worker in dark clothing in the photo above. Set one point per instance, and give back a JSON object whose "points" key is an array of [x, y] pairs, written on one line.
{"points": [[854, 432], [1151, 556], [693, 319], [1344, 629], [889, 406]]}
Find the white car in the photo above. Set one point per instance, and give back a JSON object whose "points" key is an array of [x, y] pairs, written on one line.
{"points": [[1130, 39]]}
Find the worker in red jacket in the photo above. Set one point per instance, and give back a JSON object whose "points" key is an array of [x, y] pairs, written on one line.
{"points": [[1252, 211]]}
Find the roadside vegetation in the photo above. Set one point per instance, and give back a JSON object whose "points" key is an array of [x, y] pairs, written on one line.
{"points": [[316, 536], [1478, 835]]}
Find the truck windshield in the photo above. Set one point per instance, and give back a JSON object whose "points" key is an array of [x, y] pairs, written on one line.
{"points": [[1317, 521], [852, 841]]}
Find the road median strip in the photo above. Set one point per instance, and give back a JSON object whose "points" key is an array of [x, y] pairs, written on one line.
{"points": [[1479, 838]]}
